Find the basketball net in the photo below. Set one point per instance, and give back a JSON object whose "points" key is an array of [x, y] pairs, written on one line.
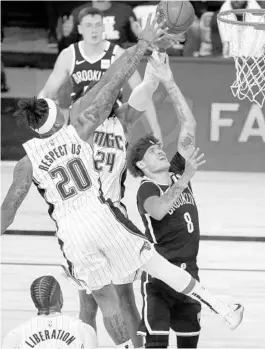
{"points": [[247, 47]]}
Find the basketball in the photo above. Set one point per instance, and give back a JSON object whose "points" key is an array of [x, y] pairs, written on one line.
{"points": [[179, 15]]}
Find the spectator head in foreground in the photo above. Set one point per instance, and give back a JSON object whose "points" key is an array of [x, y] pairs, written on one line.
{"points": [[47, 295]]}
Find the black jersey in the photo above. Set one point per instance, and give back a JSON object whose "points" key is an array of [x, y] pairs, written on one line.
{"points": [[176, 236], [85, 72]]}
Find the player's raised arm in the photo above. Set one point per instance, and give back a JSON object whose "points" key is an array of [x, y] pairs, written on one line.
{"points": [[92, 115], [140, 102], [186, 141], [22, 179], [58, 76]]}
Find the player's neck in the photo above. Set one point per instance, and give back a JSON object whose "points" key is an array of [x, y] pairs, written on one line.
{"points": [[51, 314], [56, 311], [92, 50], [161, 177]]}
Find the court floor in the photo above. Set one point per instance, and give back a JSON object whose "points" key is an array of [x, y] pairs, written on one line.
{"points": [[230, 204]]}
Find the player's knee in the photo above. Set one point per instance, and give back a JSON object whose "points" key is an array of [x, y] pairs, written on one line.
{"points": [[126, 294], [88, 307], [153, 341], [162, 269], [107, 299]]}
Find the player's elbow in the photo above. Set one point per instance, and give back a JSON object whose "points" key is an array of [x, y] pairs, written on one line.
{"points": [[7, 218], [45, 93], [190, 125], [157, 215]]}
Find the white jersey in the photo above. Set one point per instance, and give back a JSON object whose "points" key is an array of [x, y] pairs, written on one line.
{"points": [[52, 331], [63, 170], [110, 157]]}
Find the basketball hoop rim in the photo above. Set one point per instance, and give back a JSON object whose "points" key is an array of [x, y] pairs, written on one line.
{"points": [[258, 26]]}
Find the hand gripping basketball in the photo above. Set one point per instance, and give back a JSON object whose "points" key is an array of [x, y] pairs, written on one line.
{"points": [[194, 162], [152, 31]]}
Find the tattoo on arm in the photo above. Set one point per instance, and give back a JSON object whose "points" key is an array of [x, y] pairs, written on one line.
{"points": [[174, 192], [186, 119], [22, 179], [181, 106], [187, 141], [101, 107]]}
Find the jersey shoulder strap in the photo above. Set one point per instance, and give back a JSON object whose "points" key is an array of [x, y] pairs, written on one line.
{"points": [[78, 55], [147, 180], [110, 52]]}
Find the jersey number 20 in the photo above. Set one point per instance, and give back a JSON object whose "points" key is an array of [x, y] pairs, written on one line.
{"points": [[74, 170], [190, 226]]}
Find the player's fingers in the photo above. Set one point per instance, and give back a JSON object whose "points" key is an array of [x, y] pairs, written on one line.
{"points": [[148, 20], [153, 62], [162, 27], [137, 28], [154, 21], [194, 153], [201, 163], [199, 158]]}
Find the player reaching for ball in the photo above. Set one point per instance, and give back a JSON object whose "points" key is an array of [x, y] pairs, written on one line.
{"points": [[99, 242], [85, 63], [50, 328], [175, 232], [110, 151], [171, 223]]}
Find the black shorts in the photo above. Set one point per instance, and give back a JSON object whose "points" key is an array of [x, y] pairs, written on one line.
{"points": [[165, 309]]}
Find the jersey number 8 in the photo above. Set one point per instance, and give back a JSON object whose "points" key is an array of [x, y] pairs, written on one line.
{"points": [[190, 226], [74, 170]]}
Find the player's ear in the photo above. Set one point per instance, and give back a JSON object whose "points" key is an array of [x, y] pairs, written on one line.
{"points": [[140, 165], [79, 28]]}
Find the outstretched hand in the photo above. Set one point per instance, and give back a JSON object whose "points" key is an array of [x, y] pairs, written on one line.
{"points": [[152, 31], [194, 162], [161, 68]]}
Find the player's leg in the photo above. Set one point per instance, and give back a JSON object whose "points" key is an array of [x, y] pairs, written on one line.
{"points": [[108, 302], [127, 250], [185, 321], [87, 308], [129, 311], [88, 266], [187, 342], [186, 315], [155, 323], [153, 341], [181, 281]]}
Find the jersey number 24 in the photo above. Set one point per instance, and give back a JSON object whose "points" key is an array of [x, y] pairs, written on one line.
{"points": [[104, 159]]}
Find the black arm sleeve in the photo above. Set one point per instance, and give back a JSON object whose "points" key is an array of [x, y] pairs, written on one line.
{"points": [[177, 164]]}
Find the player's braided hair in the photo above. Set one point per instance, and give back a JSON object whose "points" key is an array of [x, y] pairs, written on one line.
{"points": [[32, 112], [136, 153], [42, 291]]}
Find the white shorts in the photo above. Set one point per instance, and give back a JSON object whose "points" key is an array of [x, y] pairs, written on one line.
{"points": [[101, 245]]}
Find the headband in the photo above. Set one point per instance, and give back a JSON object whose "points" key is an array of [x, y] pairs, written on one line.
{"points": [[145, 147], [49, 123]]}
